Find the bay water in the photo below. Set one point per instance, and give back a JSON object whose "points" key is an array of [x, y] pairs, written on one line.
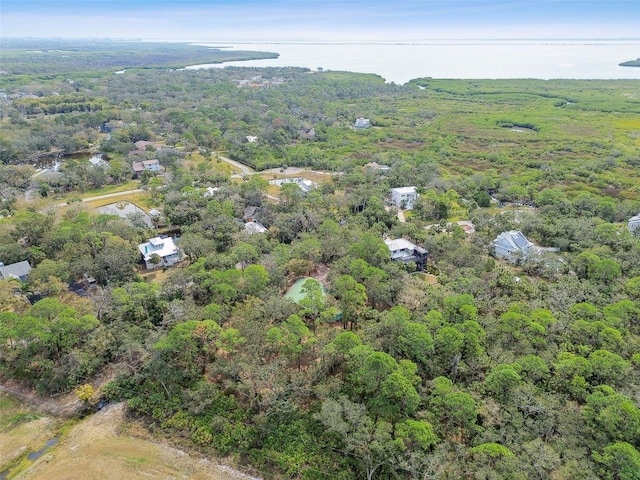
{"points": [[466, 59]]}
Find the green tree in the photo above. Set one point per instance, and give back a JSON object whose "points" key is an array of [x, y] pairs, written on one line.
{"points": [[352, 298], [620, 461], [370, 443], [502, 379], [245, 254], [416, 441]]}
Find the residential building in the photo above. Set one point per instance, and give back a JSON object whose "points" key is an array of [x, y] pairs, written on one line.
{"points": [[402, 250], [362, 123], [377, 166], [308, 133], [513, 246], [305, 185], [253, 227], [18, 270], [142, 144], [251, 213], [211, 191], [146, 165], [165, 248], [404, 197], [634, 224]]}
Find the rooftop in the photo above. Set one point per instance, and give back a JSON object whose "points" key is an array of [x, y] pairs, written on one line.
{"points": [[15, 270], [160, 246], [404, 190], [399, 244]]}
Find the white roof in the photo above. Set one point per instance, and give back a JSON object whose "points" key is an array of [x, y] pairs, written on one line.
{"points": [[399, 244], [254, 227], [404, 190], [161, 246]]}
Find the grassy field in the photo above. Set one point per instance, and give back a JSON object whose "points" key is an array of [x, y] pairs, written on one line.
{"points": [[22, 430], [103, 445]]}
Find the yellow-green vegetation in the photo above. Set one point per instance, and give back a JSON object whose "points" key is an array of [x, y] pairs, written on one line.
{"points": [[107, 445], [489, 368]]}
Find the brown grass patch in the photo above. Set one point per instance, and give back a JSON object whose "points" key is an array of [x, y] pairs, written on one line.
{"points": [[108, 445]]}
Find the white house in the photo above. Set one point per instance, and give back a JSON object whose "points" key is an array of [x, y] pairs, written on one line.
{"points": [[210, 191], [634, 224], [403, 197], [254, 227], [305, 185], [165, 248], [362, 123], [402, 250], [512, 245]]}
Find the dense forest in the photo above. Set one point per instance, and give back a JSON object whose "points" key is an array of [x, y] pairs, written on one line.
{"points": [[480, 369]]}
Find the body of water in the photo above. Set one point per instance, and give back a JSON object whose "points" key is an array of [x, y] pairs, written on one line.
{"points": [[401, 62]]}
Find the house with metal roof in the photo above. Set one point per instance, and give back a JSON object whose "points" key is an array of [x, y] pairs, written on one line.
{"points": [[513, 246], [18, 270], [254, 227], [402, 250]]}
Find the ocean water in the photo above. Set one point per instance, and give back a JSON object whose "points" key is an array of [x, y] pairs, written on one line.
{"points": [[401, 62]]}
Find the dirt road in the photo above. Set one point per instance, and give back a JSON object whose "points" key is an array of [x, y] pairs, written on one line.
{"points": [[107, 195]]}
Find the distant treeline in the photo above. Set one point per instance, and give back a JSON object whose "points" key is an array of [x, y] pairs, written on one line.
{"points": [[37, 56]]}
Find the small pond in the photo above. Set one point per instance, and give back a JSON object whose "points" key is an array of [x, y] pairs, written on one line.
{"points": [[126, 210]]}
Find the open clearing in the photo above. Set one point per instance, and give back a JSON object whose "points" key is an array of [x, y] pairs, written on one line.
{"points": [[104, 445]]}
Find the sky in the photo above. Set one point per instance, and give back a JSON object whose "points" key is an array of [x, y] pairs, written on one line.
{"points": [[320, 20]]}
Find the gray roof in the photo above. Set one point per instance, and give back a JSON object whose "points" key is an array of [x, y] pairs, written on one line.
{"points": [[520, 240], [16, 270]]}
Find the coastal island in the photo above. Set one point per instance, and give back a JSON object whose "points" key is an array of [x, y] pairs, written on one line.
{"points": [[631, 63], [53, 56]]}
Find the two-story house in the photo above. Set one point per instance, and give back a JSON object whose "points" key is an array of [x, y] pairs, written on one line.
{"points": [[402, 250], [403, 197], [513, 246], [165, 248], [152, 165]]}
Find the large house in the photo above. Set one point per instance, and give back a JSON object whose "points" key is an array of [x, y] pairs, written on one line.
{"points": [[362, 123], [305, 185], [513, 246], [403, 197], [164, 248], [402, 250], [634, 224], [18, 270], [146, 165]]}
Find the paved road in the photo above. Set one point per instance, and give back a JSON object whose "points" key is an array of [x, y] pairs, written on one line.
{"points": [[244, 170], [107, 195]]}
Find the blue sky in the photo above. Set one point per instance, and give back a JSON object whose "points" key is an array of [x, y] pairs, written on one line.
{"points": [[320, 20]]}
